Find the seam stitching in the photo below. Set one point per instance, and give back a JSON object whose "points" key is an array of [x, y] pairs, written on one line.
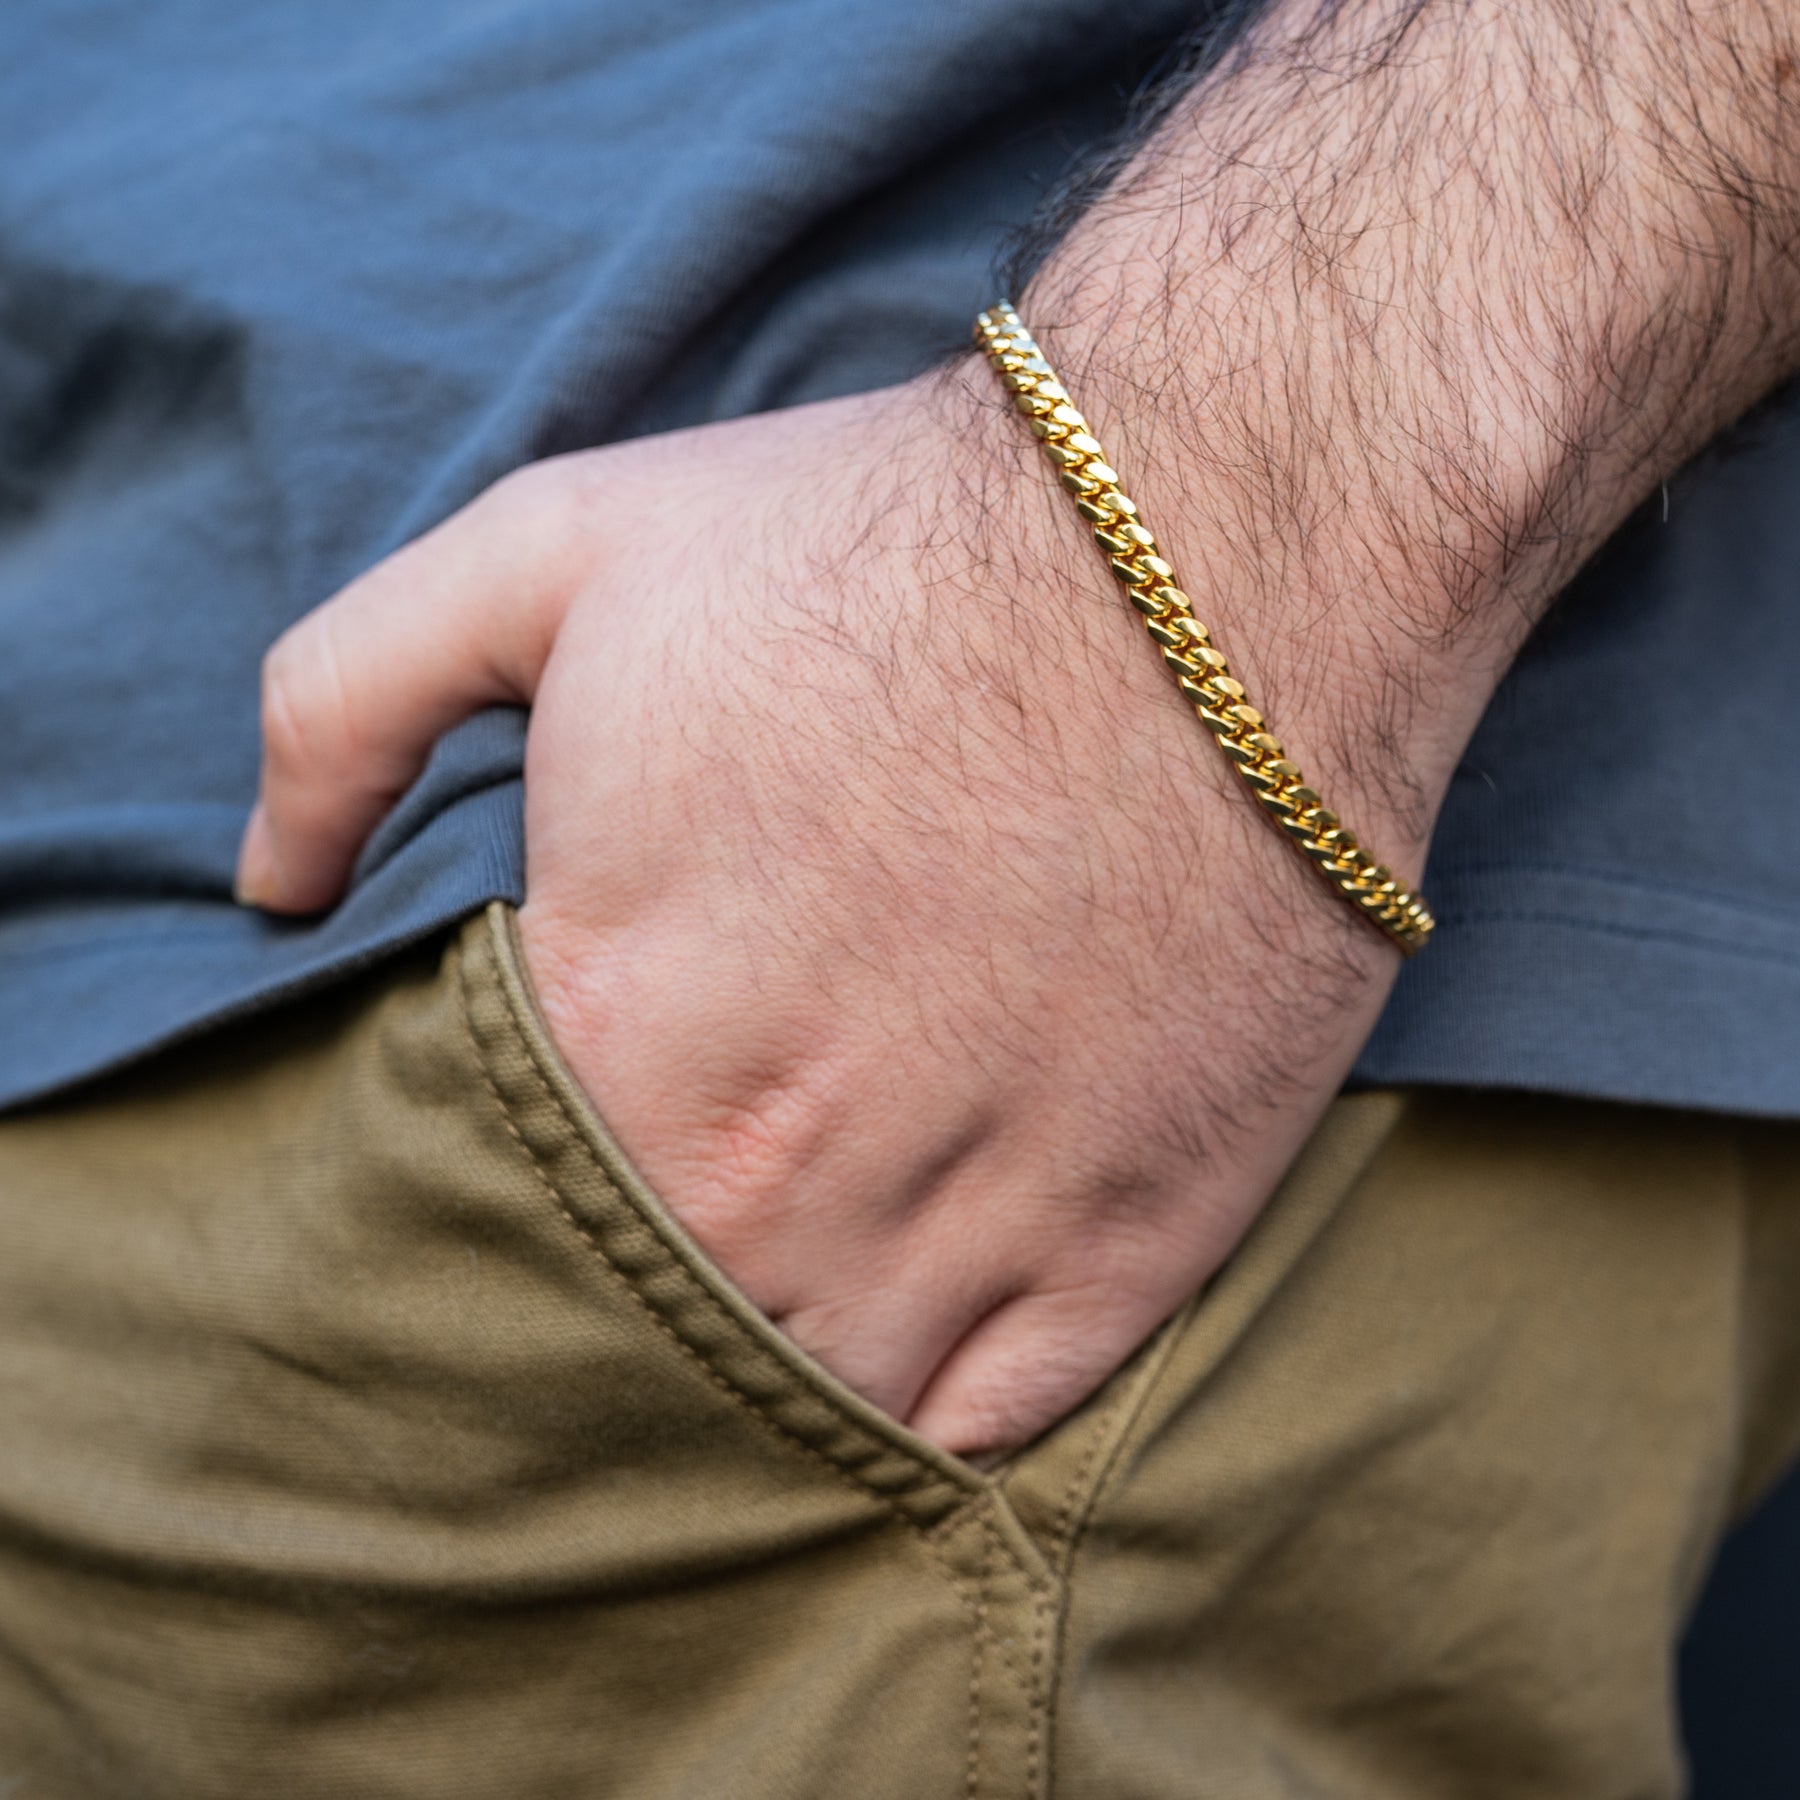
{"points": [[972, 1781], [1070, 1524], [969, 1503], [948, 1527], [1065, 1514], [994, 1551], [978, 1658], [714, 1375], [1044, 1607], [1148, 1378], [1047, 1603]]}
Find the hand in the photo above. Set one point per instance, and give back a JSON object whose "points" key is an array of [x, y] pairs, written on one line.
{"points": [[888, 901], [894, 911]]}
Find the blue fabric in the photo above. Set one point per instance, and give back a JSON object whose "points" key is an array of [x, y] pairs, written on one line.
{"points": [[1615, 867], [281, 286]]}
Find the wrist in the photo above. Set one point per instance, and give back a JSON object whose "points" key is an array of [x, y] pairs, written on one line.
{"points": [[1380, 418], [1374, 709], [1208, 705]]}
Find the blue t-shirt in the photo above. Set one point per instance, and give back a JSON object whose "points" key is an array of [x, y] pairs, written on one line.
{"points": [[282, 285]]}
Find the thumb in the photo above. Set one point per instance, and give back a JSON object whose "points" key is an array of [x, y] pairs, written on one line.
{"points": [[355, 695]]}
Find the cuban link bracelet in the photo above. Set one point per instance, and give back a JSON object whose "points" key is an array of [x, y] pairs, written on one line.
{"points": [[1200, 671]]}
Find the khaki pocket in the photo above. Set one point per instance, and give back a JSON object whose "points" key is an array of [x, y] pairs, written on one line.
{"points": [[587, 1175], [592, 1180], [915, 1597], [369, 1428]]}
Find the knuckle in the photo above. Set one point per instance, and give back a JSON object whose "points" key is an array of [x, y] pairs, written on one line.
{"points": [[554, 502], [530, 495]]}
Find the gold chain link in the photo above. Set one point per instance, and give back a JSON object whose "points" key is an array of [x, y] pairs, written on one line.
{"points": [[1200, 671]]}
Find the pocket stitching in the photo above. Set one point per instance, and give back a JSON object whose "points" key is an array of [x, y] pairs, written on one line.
{"points": [[1109, 1433], [548, 1182], [977, 1660], [717, 1377]]}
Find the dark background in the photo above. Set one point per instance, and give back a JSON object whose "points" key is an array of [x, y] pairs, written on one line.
{"points": [[1740, 1665]]}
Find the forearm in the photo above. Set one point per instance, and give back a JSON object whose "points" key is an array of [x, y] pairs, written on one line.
{"points": [[1402, 309]]}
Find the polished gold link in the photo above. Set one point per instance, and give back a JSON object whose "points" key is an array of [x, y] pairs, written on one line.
{"points": [[1200, 671]]}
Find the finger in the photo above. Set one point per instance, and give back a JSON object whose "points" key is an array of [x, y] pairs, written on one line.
{"points": [[355, 695], [886, 1342], [1026, 1366]]}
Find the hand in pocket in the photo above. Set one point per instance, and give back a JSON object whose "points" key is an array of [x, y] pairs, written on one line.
{"points": [[900, 922]]}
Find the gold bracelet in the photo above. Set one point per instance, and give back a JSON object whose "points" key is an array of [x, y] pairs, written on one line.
{"points": [[1201, 672]]}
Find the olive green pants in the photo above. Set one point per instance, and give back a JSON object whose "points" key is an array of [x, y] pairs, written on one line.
{"points": [[367, 1430]]}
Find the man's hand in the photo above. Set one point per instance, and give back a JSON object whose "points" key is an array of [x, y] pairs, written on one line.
{"points": [[902, 923], [907, 932]]}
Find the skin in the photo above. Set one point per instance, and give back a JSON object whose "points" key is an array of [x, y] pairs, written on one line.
{"points": [[883, 894]]}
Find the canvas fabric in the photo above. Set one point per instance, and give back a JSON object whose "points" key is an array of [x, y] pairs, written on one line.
{"points": [[368, 1431]]}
